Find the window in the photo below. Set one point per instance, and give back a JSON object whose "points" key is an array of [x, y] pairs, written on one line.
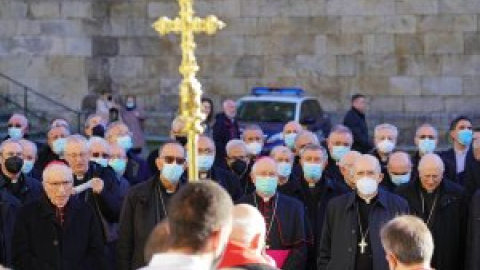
{"points": [[265, 111]]}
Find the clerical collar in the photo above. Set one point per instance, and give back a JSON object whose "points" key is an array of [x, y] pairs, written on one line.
{"points": [[368, 201], [204, 175], [79, 177]]}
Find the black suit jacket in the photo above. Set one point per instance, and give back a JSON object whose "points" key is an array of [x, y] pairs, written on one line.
{"points": [[338, 244], [473, 237], [450, 162], [356, 122], [39, 242], [448, 222]]}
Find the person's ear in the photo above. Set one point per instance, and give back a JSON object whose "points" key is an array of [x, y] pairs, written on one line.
{"points": [[159, 163], [380, 178], [392, 261], [257, 242], [253, 177]]}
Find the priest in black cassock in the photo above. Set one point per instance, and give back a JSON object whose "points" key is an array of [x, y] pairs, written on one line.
{"points": [[350, 235], [339, 143], [288, 182], [145, 206], [284, 217], [317, 189], [442, 205], [208, 171]]}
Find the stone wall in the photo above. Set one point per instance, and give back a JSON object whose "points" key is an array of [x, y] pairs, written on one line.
{"points": [[415, 56]]}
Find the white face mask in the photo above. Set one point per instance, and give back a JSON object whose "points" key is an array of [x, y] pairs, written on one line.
{"points": [[386, 146], [367, 186], [254, 148]]}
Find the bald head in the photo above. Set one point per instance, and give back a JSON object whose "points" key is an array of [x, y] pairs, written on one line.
{"points": [[431, 161], [248, 225], [264, 166], [292, 127], [399, 163], [431, 170]]}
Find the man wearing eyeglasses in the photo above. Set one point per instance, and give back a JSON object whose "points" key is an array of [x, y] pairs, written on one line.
{"points": [[57, 231], [17, 127], [16, 189], [145, 206], [104, 195], [137, 170], [207, 169]]}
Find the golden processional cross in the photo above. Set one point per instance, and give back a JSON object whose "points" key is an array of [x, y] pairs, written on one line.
{"points": [[190, 88]]}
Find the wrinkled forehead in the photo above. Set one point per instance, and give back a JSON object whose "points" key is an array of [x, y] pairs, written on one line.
{"points": [[17, 119], [205, 142], [384, 132], [237, 150], [75, 146], [13, 147], [426, 130], [292, 126]]}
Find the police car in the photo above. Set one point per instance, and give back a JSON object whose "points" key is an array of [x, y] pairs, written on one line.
{"points": [[272, 108]]}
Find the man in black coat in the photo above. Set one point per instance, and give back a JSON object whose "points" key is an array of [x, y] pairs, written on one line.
{"points": [[317, 189], [350, 237], [385, 138], [57, 231], [104, 195], [426, 140], [17, 127], [472, 170], [137, 169], [16, 189], [459, 156], [288, 182], [442, 205], [53, 150], [238, 163], [206, 156], [355, 121], [145, 205], [339, 143], [473, 237], [224, 130]]}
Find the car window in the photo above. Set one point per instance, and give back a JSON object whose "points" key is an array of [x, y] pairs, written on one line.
{"points": [[265, 111]]}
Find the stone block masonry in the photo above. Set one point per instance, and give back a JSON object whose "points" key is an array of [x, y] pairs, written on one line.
{"points": [[411, 56]]}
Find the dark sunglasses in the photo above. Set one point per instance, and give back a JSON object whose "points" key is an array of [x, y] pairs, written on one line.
{"points": [[14, 125], [98, 155], [170, 160]]}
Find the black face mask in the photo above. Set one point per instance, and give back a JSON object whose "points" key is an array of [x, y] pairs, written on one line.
{"points": [[239, 167], [98, 130], [181, 140], [13, 164]]}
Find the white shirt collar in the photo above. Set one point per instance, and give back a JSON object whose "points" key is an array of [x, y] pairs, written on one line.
{"points": [[177, 261]]}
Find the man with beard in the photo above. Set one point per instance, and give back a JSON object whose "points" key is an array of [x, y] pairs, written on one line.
{"points": [[199, 222]]}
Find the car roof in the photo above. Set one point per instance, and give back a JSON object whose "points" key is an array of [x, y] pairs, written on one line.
{"points": [[278, 98]]}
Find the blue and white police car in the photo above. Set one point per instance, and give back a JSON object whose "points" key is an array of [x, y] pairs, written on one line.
{"points": [[272, 108]]}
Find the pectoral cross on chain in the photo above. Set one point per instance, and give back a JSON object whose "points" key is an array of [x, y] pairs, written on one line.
{"points": [[362, 246]]}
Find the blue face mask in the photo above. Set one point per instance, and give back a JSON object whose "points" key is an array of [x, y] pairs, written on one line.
{"points": [[427, 146], [118, 165], [312, 171], [339, 151], [465, 137], [100, 161], [172, 172], [58, 146], [284, 169], [289, 140], [400, 179], [205, 162], [266, 185], [27, 166], [15, 133], [125, 142]]}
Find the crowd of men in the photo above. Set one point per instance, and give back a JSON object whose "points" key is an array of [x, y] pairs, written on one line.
{"points": [[89, 202]]}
